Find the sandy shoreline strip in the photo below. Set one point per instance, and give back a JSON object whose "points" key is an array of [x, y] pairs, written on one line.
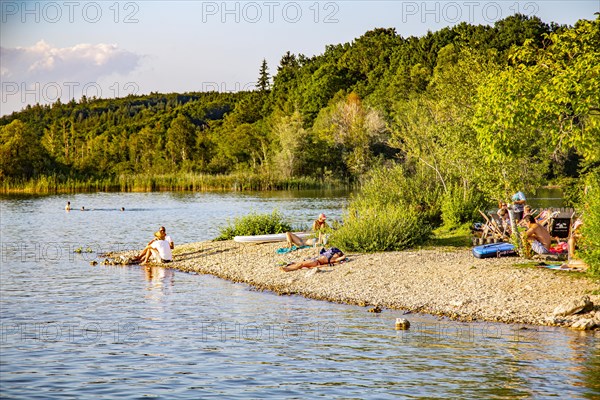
{"points": [[446, 282]]}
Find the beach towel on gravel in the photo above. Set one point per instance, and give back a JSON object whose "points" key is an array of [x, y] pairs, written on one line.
{"points": [[285, 250]]}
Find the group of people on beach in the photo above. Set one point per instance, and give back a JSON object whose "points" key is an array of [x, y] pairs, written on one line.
{"points": [[537, 233], [326, 256], [159, 249]]}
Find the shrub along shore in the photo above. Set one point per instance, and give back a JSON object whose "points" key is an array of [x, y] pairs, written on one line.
{"points": [[442, 281]]}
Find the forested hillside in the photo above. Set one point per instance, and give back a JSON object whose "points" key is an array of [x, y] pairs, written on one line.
{"points": [[483, 108]]}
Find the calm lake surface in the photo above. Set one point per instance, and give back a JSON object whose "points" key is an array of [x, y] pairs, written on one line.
{"points": [[70, 330]]}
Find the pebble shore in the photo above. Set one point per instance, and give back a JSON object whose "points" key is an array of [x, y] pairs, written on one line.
{"points": [[442, 281]]}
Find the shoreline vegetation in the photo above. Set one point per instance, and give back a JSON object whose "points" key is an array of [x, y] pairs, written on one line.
{"points": [[177, 182], [446, 282]]}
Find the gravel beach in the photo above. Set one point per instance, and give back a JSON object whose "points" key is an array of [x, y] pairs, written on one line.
{"points": [[442, 281]]}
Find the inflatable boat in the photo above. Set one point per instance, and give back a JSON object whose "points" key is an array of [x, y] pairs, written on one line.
{"points": [[494, 250]]}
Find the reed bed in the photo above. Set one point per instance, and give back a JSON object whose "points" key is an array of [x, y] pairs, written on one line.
{"points": [[164, 182]]}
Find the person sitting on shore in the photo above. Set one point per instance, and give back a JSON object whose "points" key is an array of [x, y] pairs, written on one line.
{"points": [[319, 227], [327, 257], [574, 236], [538, 236], [158, 249], [167, 237], [154, 248], [503, 214], [527, 211]]}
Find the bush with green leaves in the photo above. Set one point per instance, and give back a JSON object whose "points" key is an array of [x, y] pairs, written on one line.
{"points": [[387, 228], [404, 186], [590, 230], [461, 205], [254, 224]]}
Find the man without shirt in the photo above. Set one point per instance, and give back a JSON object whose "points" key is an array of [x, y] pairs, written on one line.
{"points": [[538, 236]]}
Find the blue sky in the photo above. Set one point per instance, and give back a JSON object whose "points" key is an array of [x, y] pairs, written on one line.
{"points": [[114, 48]]}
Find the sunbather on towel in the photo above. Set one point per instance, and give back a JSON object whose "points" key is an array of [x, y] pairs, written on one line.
{"points": [[327, 257], [538, 236]]}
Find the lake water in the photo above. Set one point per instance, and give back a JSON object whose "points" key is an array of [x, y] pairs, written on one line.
{"points": [[70, 330]]}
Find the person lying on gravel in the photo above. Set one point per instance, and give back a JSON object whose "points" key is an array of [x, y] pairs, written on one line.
{"points": [[327, 257]]}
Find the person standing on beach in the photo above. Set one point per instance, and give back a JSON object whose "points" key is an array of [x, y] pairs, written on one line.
{"points": [[519, 201]]}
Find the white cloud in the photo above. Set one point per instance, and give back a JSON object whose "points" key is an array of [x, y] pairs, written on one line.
{"points": [[82, 63]]}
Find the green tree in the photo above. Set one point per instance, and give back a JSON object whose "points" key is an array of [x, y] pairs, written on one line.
{"points": [[548, 99], [289, 137], [355, 128], [181, 141], [21, 153], [264, 80]]}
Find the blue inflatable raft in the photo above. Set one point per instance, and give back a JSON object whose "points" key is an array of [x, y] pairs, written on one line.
{"points": [[494, 250]]}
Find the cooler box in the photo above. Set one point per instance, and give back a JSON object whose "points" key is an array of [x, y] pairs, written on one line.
{"points": [[560, 225], [494, 250]]}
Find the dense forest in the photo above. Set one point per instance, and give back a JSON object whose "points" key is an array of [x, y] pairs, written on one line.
{"points": [[485, 108]]}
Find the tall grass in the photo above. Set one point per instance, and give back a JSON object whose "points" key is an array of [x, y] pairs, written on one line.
{"points": [[165, 182]]}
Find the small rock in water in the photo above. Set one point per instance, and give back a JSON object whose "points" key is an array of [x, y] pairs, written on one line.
{"points": [[402, 324], [92, 263], [375, 309]]}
